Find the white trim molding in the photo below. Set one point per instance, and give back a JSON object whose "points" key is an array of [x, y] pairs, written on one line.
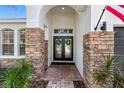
{"points": [[16, 46]]}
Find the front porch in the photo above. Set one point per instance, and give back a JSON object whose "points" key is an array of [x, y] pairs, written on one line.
{"points": [[62, 76], [93, 44]]}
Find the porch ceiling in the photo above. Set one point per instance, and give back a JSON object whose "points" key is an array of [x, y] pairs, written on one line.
{"points": [[78, 8]]}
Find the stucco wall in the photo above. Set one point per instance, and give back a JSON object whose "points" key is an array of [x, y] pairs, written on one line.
{"points": [[82, 27], [49, 23], [63, 21], [96, 11], [33, 15]]}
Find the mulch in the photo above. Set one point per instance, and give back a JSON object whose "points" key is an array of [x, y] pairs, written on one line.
{"points": [[39, 84], [79, 84]]}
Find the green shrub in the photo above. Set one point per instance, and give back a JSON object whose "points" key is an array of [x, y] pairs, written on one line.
{"points": [[118, 81], [105, 73], [119, 74], [17, 76]]}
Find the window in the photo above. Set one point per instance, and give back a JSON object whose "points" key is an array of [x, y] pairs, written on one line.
{"points": [[22, 42], [7, 42], [12, 43], [63, 31]]}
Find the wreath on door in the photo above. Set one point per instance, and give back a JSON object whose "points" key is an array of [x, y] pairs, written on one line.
{"points": [[58, 42], [68, 42]]}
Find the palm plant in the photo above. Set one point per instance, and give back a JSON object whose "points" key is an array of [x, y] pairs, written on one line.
{"points": [[105, 73], [118, 81], [118, 76], [17, 76]]}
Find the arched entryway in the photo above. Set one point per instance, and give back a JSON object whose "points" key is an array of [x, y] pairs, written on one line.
{"points": [[61, 23]]}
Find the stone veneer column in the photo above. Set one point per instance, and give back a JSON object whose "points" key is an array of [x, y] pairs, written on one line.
{"points": [[6, 63], [36, 51], [95, 43]]}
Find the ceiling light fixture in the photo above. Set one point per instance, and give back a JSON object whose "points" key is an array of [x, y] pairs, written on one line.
{"points": [[63, 8]]}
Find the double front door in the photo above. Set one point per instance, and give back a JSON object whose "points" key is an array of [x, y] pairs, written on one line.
{"points": [[63, 48]]}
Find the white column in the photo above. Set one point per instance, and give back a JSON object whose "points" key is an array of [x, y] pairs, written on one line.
{"points": [[15, 43], [0, 43]]}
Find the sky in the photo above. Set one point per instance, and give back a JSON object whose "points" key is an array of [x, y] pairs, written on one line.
{"points": [[12, 11]]}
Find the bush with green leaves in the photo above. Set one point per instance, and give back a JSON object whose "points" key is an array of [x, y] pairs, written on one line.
{"points": [[109, 72], [17, 76], [118, 74], [105, 73], [118, 81]]}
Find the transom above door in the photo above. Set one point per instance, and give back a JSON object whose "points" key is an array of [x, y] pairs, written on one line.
{"points": [[63, 31], [63, 48]]}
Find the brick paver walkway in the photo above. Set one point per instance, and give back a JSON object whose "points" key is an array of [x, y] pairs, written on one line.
{"points": [[62, 76]]}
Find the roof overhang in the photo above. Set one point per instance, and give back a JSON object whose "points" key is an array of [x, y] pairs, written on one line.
{"points": [[20, 20]]}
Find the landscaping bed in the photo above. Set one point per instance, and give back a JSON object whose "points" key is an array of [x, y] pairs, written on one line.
{"points": [[79, 84], [39, 84], [2, 70]]}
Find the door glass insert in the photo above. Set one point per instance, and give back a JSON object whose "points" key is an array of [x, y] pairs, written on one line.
{"points": [[58, 48], [68, 47]]}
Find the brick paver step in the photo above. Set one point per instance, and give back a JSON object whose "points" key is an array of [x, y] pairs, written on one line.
{"points": [[60, 84]]}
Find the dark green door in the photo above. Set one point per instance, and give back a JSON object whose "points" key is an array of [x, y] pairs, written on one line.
{"points": [[63, 48]]}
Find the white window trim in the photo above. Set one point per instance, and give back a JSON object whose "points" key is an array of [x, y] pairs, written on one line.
{"points": [[0, 43], [15, 43], [12, 57], [16, 46]]}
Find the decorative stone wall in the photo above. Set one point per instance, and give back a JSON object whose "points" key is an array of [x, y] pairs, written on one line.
{"points": [[95, 43], [36, 52], [7, 63]]}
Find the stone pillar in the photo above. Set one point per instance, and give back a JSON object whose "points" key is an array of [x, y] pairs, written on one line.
{"points": [[95, 43], [36, 51]]}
